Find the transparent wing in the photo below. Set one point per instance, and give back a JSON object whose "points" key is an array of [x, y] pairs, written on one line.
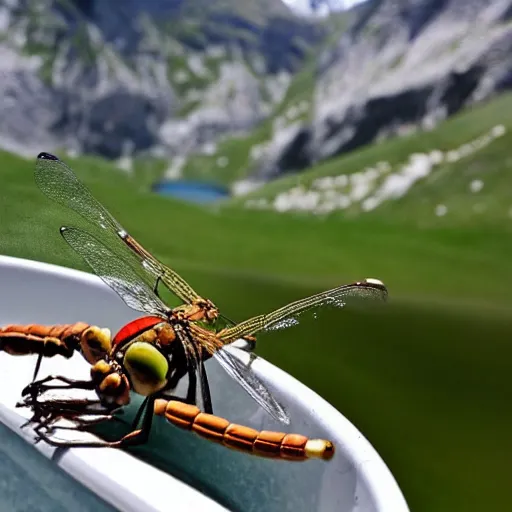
{"points": [[252, 385], [287, 316], [115, 272], [171, 279], [57, 181]]}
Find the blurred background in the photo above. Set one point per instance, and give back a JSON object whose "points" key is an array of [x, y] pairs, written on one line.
{"points": [[268, 150]]}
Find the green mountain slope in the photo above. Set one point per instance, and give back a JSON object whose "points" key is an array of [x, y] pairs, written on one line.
{"points": [[469, 186]]}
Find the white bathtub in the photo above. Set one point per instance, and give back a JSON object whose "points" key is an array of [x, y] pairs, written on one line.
{"points": [[190, 468]]}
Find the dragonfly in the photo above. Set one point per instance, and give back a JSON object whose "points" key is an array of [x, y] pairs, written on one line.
{"points": [[95, 345], [188, 340], [112, 380], [85, 413]]}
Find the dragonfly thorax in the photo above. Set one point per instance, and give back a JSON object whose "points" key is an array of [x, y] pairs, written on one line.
{"points": [[144, 326], [200, 309]]}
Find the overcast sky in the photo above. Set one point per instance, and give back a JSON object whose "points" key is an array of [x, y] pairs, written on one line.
{"points": [[303, 5]]}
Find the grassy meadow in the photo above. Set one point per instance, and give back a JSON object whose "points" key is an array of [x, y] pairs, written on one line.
{"points": [[427, 377]]}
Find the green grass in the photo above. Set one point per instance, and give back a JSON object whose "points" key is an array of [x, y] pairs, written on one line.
{"points": [[447, 184], [426, 377]]}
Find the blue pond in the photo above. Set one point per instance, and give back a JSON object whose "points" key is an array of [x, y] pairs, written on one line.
{"points": [[194, 191]]}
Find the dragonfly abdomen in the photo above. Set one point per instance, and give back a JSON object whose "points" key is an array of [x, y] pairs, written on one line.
{"points": [[262, 443]]}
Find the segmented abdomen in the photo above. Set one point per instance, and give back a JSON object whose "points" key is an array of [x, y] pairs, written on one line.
{"points": [[48, 340], [262, 443]]}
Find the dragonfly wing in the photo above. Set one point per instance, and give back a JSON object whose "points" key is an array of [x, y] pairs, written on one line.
{"points": [[287, 316], [239, 372], [171, 279], [58, 182], [114, 271]]}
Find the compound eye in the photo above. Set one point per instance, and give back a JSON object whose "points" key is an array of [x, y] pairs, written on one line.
{"points": [[147, 368]]}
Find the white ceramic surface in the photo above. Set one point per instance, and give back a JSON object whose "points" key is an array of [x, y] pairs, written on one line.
{"points": [[355, 480]]}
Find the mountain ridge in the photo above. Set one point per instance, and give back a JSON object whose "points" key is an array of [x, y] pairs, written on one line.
{"points": [[401, 66], [201, 85], [108, 77]]}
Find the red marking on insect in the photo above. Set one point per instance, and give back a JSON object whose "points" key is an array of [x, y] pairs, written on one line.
{"points": [[133, 329]]}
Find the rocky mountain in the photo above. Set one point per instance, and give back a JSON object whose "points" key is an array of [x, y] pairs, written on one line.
{"points": [[165, 76], [232, 89], [403, 65]]}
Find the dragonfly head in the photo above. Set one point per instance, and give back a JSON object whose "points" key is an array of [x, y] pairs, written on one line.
{"points": [[140, 367], [142, 352]]}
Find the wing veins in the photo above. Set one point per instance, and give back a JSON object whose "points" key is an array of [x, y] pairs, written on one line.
{"points": [[59, 183], [114, 271], [286, 315], [252, 385]]}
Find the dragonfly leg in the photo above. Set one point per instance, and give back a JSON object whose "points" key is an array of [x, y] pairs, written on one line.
{"points": [[38, 366], [48, 413], [138, 437], [45, 429], [133, 438], [180, 371], [155, 288], [196, 365], [85, 424], [205, 389], [192, 385], [33, 390], [65, 408], [37, 387], [192, 382], [138, 416], [46, 423]]}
